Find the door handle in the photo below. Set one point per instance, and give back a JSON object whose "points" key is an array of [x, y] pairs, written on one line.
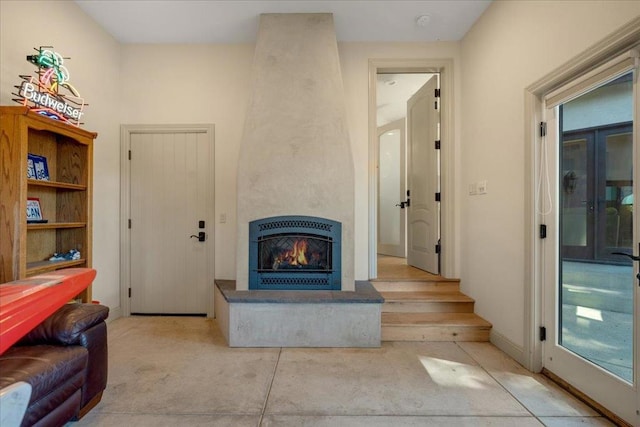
{"points": [[202, 236], [632, 257], [404, 204]]}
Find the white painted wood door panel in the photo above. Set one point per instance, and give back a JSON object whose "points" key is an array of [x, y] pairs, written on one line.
{"points": [[169, 191], [423, 172]]}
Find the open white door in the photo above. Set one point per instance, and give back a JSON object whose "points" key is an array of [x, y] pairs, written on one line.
{"points": [[423, 119], [392, 217]]}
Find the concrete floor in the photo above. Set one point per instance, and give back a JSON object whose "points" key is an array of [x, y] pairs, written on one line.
{"points": [[169, 371]]}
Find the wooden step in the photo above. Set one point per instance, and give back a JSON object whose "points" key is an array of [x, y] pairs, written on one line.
{"points": [[427, 302], [408, 285], [434, 327]]}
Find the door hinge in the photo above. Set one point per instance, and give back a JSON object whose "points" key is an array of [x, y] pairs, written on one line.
{"points": [[543, 333], [129, 292], [129, 154], [437, 197], [543, 128], [436, 93], [437, 145], [129, 223], [543, 231], [438, 248]]}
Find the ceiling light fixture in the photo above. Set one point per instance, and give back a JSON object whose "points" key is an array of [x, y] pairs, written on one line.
{"points": [[423, 20]]}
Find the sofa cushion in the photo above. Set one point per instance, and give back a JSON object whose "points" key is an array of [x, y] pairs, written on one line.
{"points": [[55, 373], [65, 325]]}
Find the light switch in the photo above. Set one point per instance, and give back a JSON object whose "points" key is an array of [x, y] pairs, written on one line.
{"points": [[482, 187], [223, 218], [473, 189]]}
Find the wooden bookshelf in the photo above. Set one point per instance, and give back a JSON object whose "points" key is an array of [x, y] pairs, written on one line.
{"points": [[65, 199]]}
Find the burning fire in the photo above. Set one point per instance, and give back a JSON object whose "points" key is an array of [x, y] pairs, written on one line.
{"points": [[296, 256], [299, 254]]}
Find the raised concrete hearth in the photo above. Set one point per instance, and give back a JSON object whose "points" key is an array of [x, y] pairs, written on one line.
{"points": [[299, 318]]}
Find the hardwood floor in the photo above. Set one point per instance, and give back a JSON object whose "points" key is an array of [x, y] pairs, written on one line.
{"points": [[390, 267]]}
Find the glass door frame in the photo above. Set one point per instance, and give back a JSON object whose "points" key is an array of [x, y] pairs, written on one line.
{"points": [[608, 390]]}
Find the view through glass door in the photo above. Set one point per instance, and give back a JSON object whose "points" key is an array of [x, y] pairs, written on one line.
{"points": [[590, 281]]}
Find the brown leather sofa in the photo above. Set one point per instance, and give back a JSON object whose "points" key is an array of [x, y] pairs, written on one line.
{"points": [[65, 361]]}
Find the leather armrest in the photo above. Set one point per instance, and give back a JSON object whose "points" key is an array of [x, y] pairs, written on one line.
{"points": [[66, 325]]}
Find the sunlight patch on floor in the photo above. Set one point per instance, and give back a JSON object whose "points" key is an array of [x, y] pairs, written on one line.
{"points": [[447, 373]]}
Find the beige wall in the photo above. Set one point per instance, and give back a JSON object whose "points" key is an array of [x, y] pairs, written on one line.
{"points": [[160, 84], [211, 84], [182, 84], [94, 69], [512, 45]]}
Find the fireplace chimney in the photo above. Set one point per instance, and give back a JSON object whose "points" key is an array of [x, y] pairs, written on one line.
{"points": [[295, 156]]}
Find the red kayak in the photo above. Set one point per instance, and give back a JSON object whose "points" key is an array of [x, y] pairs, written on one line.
{"points": [[27, 302]]}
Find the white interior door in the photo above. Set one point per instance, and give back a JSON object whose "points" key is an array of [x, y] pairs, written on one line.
{"points": [[423, 119], [591, 294], [170, 194], [392, 223]]}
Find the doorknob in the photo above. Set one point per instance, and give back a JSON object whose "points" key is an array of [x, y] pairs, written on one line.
{"points": [[202, 236]]}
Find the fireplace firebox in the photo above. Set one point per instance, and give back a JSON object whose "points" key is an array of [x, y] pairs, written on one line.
{"points": [[295, 253]]}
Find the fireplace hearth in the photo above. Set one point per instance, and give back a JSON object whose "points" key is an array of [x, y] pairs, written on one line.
{"points": [[295, 253]]}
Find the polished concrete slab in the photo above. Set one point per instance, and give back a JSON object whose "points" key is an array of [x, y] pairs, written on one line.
{"points": [[167, 371], [266, 318]]}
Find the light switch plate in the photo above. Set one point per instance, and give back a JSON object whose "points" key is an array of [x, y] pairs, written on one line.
{"points": [[482, 187]]}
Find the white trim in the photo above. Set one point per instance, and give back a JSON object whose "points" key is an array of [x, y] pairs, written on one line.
{"points": [[508, 346], [621, 40], [618, 66], [125, 208], [447, 155]]}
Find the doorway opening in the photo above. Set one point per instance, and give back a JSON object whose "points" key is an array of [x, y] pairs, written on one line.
{"points": [[450, 219], [408, 173]]}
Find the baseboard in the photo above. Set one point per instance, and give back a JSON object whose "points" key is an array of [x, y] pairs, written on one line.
{"points": [[114, 313], [505, 344]]}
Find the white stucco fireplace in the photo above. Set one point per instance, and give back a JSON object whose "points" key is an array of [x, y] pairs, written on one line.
{"points": [[295, 157], [295, 282]]}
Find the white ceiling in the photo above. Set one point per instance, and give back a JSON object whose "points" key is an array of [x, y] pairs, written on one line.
{"points": [[211, 21], [392, 93], [217, 21]]}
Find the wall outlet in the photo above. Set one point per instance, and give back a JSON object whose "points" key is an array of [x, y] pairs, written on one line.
{"points": [[473, 189], [482, 187]]}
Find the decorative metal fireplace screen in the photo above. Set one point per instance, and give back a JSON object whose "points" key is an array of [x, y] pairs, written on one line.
{"points": [[295, 252]]}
